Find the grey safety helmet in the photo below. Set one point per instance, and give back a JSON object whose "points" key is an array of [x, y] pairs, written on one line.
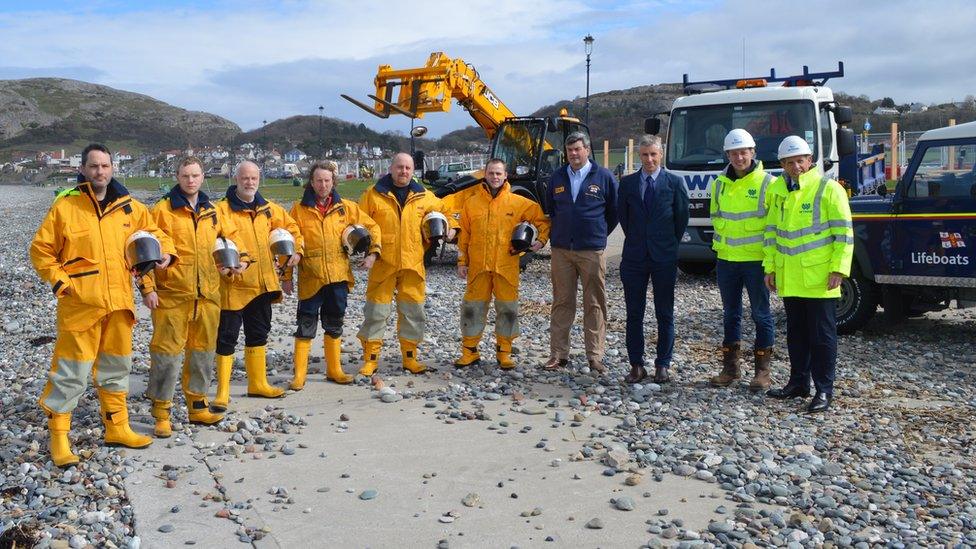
{"points": [[142, 251], [281, 242], [434, 227], [523, 236], [225, 254], [356, 240]]}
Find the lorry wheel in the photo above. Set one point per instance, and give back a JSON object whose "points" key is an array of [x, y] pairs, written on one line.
{"points": [[696, 268], [858, 303]]}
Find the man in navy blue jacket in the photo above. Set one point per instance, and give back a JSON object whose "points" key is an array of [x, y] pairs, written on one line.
{"points": [[582, 199], [653, 210]]}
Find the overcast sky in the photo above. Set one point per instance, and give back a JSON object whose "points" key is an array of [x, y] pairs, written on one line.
{"points": [[254, 61]]}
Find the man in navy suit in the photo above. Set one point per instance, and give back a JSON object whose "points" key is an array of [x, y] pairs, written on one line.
{"points": [[582, 199], [653, 212]]}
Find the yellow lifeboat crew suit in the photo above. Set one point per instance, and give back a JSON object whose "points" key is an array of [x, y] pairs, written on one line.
{"points": [[487, 222], [79, 249], [399, 267], [325, 277], [185, 322], [247, 300]]}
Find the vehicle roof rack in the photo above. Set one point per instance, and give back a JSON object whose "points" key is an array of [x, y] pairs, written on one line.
{"points": [[806, 79]]}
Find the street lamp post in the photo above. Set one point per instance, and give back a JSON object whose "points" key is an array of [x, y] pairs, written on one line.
{"points": [[588, 46], [321, 143]]}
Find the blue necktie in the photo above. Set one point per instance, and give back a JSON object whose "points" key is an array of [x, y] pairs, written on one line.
{"points": [[649, 193]]}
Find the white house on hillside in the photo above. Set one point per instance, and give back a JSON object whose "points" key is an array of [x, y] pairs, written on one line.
{"points": [[295, 155]]}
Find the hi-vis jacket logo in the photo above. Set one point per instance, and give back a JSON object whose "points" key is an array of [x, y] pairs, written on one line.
{"points": [[952, 240], [805, 206], [752, 192]]}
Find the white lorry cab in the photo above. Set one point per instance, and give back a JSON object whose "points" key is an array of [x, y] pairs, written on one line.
{"points": [[797, 105]]}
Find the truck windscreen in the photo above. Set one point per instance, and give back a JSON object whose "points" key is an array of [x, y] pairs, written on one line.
{"points": [[517, 143], [696, 134]]}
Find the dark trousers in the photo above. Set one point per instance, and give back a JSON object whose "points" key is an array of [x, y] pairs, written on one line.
{"points": [[811, 336], [256, 318], [662, 276], [329, 305], [732, 277]]}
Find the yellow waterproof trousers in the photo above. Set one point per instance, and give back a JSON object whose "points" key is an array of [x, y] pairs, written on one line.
{"points": [[188, 328], [410, 290], [474, 308], [104, 351]]}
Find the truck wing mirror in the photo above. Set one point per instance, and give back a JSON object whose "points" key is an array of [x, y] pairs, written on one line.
{"points": [[652, 125], [843, 115], [845, 142]]}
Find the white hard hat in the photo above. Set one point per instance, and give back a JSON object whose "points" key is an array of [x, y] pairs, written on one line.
{"points": [[281, 242], [739, 139], [793, 145]]}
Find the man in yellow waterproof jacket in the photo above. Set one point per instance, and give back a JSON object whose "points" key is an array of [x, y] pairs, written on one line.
{"points": [[325, 274], [809, 246], [398, 205], [80, 250], [740, 200], [247, 300], [486, 260], [185, 300]]}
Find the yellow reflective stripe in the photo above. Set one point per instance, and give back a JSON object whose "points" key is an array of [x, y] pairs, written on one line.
{"points": [[758, 212], [738, 241], [833, 224], [813, 244]]}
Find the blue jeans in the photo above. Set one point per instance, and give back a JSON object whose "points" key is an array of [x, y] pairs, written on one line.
{"points": [[329, 304], [732, 276], [662, 276]]}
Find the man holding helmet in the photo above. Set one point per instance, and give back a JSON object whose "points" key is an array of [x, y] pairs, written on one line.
{"points": [[809, 245], [185, 299], [398, 205], [79, 249], [333, 230], [741, 196], [246, 300], [489, 261]]}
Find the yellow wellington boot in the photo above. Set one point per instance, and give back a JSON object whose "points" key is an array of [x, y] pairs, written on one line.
{"points": [[469, 352], [371, 356], [199, 411], [115, 417], [59, 425], [302, 348], [257, 374], [408, 350], [503, 352], [333, 360], [160, 411], [222, 399]]}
